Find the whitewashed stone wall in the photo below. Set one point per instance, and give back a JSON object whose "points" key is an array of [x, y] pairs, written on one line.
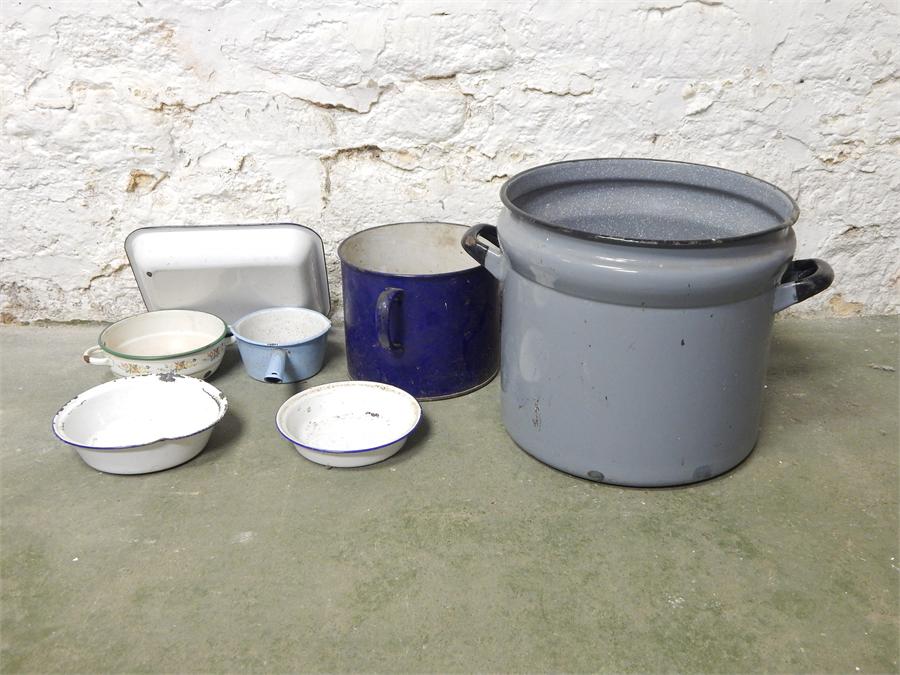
{"points": [[343, 115]]}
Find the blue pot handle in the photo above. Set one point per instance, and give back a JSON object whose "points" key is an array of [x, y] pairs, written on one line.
{"points": [[384, 309]]}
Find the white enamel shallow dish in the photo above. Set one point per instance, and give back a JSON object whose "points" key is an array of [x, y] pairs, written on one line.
{"points": [[141, 424], [347, 424], [229, 270]]}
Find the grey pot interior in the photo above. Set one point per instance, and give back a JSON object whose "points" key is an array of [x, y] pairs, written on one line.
{"points": [[648, 202]]}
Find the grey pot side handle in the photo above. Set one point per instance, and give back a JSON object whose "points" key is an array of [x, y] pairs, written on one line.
{"points": [[482, 243], [385, 308], [801, 280]]}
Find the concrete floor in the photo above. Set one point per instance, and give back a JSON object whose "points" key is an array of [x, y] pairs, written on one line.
{"points": [[461, 553]]}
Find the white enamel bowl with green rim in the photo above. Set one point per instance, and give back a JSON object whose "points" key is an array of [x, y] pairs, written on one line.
{"points": [[182, 341], [349, 424], [141, 424]]}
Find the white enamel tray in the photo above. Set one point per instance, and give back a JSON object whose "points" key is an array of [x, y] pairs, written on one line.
{"points": [[229, 270]]}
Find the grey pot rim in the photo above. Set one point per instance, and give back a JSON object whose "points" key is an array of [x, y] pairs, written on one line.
{"points": [[784, 224]]}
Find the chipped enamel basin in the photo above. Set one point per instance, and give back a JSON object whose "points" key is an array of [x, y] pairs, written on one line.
{"points": [[142, 423], [348, 424]]}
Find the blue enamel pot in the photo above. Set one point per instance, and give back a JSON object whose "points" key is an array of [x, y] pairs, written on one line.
{"points": [[419, 313]]}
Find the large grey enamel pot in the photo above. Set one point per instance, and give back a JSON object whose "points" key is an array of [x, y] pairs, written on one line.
{"points": [[638, 300]]}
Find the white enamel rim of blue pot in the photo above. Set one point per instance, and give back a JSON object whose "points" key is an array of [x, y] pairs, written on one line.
{"points": [[141, 423], [352, 423]]}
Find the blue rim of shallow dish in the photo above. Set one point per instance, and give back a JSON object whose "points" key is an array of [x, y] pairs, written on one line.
{"points": [[342, 452], [351, 452]]}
